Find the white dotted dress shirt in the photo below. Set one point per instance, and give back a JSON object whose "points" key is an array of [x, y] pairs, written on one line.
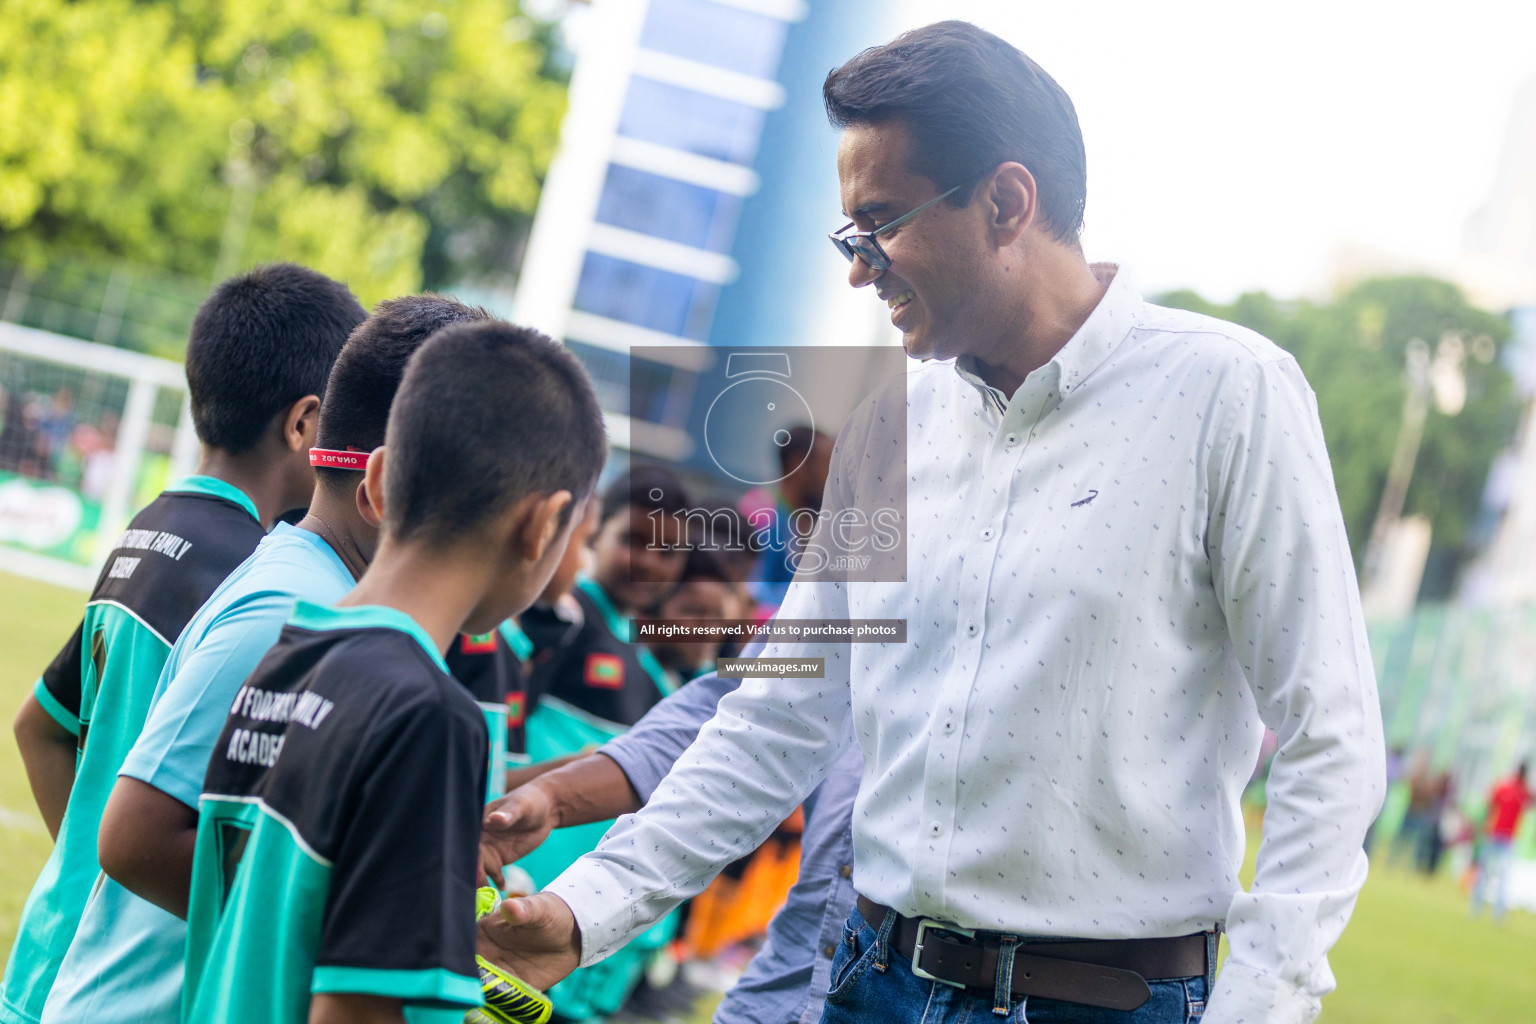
{"points": [[1115, 579]]}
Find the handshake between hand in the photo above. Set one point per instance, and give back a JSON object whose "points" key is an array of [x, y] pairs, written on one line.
{"points": [[532, 937]]}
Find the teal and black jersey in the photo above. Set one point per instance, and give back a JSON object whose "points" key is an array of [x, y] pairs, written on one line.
{"points": [[172, 556], [595, 677], [339, 829]]}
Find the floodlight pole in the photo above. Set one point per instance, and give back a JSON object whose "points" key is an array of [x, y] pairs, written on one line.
{"points": [[1400, 473]]}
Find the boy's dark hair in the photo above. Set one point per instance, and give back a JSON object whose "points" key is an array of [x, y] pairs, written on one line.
{"points": [[262, 341], [367, 374], [971, 101], [649, 486], [488, 413], [704, 567], [802, 439]]}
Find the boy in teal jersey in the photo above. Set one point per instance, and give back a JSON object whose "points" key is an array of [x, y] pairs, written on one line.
{"points": [[257, 359], [336, 860], [126, 958]]}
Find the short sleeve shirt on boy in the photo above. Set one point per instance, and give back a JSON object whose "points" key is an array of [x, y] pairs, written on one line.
{"points": [[172, 556], [596, 683], [338, 836], [126, 959]]}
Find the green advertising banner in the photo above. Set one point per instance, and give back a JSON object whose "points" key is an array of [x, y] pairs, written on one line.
{"points": [[47, 519]]}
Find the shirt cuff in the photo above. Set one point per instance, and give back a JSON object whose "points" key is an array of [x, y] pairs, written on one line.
{"points": [[601, 905], [56, 711], [641, 772], [1246, 996]]}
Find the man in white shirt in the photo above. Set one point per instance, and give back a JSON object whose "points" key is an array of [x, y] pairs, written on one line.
{"points": [[1125, 556]]}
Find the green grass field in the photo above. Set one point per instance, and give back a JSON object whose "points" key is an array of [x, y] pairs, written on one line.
{"points": [[1411, 955]]}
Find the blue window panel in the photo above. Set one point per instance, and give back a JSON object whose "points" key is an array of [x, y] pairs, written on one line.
{"points": [[609, 372], [633, 385], [711, 33], [691, 121], [647, 297], [670, 209]]}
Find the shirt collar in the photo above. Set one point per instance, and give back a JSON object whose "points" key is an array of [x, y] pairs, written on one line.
{"points": [[1099, 335], [215, 488], [317, 618]]}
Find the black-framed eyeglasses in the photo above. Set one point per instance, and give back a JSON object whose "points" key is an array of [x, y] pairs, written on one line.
{"points": [[866, 246]]}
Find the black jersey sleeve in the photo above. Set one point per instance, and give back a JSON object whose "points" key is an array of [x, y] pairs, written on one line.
{"points": [[59, 689], [400, 915]]}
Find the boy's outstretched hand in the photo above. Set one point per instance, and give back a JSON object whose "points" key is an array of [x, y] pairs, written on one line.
{"points": [[532, 937]]}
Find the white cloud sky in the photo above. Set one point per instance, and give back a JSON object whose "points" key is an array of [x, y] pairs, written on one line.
{"points": [[1236, 145]]}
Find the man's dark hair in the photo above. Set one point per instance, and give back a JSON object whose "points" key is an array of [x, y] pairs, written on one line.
{"points": [[262, 341], [648, 486], [367, 374], [488, 414], [970, 101]]}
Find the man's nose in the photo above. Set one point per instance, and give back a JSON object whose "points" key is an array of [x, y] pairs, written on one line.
{"points": [[860, 274]]}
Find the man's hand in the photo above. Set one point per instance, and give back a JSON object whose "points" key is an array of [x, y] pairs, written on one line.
{"points": [[563, 793], [514, 826], [532, 937]]}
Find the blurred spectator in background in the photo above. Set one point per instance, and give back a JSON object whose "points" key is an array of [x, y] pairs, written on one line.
{"points": [[704, 592], [804, 460], [1506, 805], [98, 461], [13, 435], [34, 459], [1446, 820], [57, 423], [1419, 832]]}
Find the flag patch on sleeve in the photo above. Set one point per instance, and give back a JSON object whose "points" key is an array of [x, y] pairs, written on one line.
{"points": [[605, 671]]}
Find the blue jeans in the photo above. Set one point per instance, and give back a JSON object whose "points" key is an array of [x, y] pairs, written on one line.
{"points": [[1493, 864], [873, 984]]}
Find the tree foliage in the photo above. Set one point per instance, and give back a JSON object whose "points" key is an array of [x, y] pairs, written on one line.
{"points": [[389, 143], [1353, 350]]}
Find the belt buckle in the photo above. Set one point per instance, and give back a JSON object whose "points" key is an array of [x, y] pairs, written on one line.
{"points": [[923, 927]]}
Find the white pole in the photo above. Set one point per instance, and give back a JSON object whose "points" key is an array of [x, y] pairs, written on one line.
{"points": [[131, 436], [185, 448]]}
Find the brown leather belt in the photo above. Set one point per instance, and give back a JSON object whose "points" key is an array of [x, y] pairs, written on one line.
{"points": [[1110, 973]]}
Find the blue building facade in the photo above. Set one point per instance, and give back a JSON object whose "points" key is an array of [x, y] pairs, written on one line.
{"points": [[689, 205]]}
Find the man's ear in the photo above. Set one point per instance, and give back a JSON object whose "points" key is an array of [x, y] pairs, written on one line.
{"points": [[541, 524], [1012, 201], [301, 424], [370, 496]]}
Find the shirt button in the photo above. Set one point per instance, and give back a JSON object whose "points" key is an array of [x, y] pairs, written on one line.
{"points": [[949, 726], [986, 534], [936, 829], [1010, 439], [846, 871], [971, 629], [831, 951]]}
